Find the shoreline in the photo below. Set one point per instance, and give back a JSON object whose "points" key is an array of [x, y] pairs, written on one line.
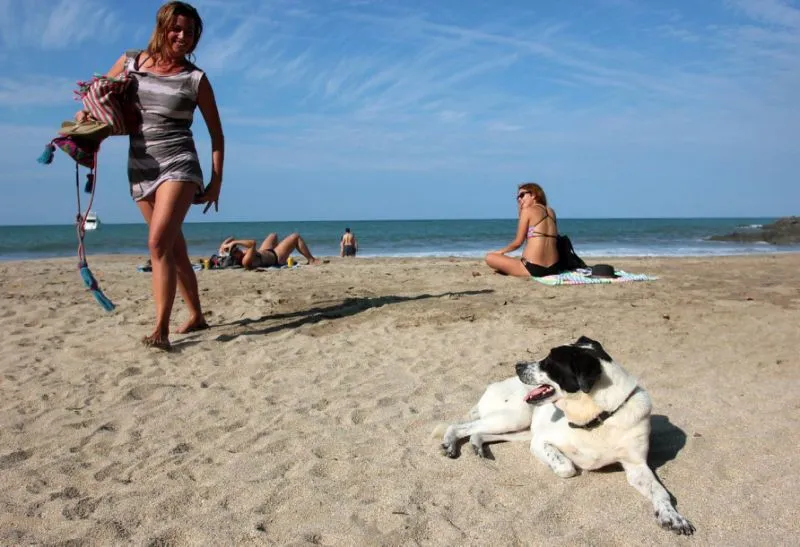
{"points": [[593, 238], [588, 257], [305, 413]]}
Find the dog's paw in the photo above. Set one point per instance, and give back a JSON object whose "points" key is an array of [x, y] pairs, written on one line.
{"points": [[670, 519], [477, 445], [479, 450], [450, 450], [565, 471]]}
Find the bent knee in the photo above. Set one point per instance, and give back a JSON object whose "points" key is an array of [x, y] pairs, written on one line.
{"points": [[158, 247]]}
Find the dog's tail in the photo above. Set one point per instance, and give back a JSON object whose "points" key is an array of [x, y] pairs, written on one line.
{"points": [[438, 431], [511, 437], [473, 414]]}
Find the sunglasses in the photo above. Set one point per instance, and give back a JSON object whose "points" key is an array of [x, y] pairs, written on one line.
{"points": [[522, 195]]}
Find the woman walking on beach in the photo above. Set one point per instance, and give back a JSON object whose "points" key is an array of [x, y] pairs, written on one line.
{"points": [[163, 168], [538, 230]]}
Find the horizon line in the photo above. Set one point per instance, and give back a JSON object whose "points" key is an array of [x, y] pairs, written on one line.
{"points": [[351, 221]]}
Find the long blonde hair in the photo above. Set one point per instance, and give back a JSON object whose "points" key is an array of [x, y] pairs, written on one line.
{"points": [[157, 47], [534, 189]]}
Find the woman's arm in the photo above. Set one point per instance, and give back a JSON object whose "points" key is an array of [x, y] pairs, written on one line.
{"points": [[118, 67], [208, 107], [519, 239], [246, 243]]}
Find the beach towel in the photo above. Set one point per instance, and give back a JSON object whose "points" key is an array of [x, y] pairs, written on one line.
{"points": [[278, 267], [583, 277]]}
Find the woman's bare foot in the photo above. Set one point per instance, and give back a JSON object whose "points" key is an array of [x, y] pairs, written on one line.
{"points": [[192, 325], [158, 341]]}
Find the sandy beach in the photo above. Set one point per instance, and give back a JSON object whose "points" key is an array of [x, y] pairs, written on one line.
{"points": [[305, 414]]}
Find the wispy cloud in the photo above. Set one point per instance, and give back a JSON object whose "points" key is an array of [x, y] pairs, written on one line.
{"points": [[474, 87], [35, 91], [773, 12], [51, 25]]}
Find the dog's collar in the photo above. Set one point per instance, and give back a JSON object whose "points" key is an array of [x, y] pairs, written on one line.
{"points": [[603, 416]]}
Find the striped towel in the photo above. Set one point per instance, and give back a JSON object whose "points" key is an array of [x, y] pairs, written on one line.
{"points": [[583, 277]]}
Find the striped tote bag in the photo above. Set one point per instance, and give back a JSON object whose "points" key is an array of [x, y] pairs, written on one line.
{"points": [[110, 101]]}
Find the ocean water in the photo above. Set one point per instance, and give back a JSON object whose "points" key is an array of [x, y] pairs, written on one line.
{"points": [[408, 238]]}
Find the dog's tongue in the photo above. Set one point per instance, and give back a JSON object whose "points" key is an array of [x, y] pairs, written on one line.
{"points": [[535, 392]]}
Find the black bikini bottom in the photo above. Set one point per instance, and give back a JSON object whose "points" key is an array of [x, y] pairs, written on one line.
{"points": [[540, 271], [267, 258]]}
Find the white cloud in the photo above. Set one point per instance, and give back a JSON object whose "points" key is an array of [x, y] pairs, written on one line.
{"points": [[36, 91], [773, 12], [49, 25]]}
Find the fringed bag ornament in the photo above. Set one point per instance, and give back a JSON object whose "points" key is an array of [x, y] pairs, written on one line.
{"points": [[111, 110]]}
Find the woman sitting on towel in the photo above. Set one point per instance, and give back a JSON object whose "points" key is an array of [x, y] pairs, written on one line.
{"points": [[537, 230], [269, 253]]}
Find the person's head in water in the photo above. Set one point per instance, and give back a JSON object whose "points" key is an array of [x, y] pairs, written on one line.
{"points": [[347, 230]]}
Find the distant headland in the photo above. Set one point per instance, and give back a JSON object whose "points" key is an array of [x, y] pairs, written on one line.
{"points": [[784, 231]]}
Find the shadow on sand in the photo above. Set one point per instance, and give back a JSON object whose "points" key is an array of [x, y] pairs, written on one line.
{"points": [[346, 308], [666, 441]]}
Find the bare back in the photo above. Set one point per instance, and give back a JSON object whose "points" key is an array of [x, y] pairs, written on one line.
{"points": [[540, 245]]}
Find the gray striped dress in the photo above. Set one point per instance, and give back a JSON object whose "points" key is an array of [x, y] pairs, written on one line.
{"points": [[164, 148]]}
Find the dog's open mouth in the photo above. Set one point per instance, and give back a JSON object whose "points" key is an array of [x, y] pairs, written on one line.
{"points": [[539, 393]]}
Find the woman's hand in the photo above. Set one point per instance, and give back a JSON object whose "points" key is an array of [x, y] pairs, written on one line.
{"points": [[81, 116], [210, 195]]}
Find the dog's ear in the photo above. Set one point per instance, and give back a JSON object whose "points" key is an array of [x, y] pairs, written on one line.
{"points": [[573, 368], [558, 366], [587, 371], [595, 345]]}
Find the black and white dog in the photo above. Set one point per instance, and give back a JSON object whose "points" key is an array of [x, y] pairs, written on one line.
{"points": [[580, 409]]}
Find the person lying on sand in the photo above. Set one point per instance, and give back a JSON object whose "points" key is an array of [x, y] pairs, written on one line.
{"points": [[271, 252]]}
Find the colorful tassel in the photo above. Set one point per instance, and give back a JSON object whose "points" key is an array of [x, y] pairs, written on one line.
{"points": [[91, 283], [47, 156]]}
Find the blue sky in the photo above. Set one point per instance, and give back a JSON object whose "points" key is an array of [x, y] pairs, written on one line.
{"points": [[368, 109]]}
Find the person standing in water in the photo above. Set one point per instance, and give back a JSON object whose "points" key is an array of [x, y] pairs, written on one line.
{"points": [[348, 246]]}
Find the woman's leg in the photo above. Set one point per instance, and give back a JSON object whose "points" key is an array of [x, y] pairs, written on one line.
{"points": [[187, 283], [506, 265], [270, 242], [164, 213], [289, 244]]}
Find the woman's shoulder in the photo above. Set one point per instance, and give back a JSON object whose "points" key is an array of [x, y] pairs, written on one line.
{"points": [[193, 68], [132, 54], [545, 210]]}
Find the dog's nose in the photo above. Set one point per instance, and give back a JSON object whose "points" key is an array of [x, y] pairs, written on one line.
{"points": [[521, 366]]}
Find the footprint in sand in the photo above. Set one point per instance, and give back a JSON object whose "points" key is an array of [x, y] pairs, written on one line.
{"points": [[357, 416], [10, 460], [81, 510]]}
